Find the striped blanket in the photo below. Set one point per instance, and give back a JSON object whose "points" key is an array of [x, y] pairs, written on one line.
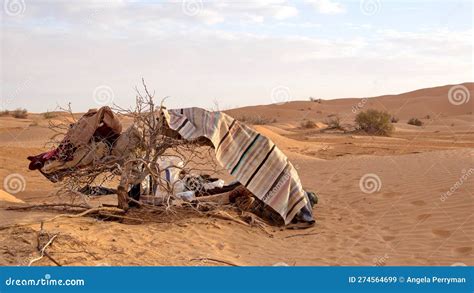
{"points": [[253, 159]]}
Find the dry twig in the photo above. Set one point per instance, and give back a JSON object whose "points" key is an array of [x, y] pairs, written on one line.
{"points": [[42, 250], [216, 260]]}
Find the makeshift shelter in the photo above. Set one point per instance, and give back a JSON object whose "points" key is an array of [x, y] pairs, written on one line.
{"points": [[250, 157]]}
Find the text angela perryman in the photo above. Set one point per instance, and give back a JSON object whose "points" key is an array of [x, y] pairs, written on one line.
{"points": [[402, 279]]}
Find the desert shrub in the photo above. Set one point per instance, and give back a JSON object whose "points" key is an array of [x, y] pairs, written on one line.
{"points": [[415, 121], [374, 122], [427, 117], [308, 124], [256, 120], [4, 113], [49, 115], [334, 123], [394, 119], [315, 100], [20, 113]]}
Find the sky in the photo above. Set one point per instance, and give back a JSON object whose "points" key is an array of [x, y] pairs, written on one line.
{"points": [[226, 54]]}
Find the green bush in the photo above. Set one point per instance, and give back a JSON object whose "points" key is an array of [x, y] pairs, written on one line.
{"points": [[374, 122]]}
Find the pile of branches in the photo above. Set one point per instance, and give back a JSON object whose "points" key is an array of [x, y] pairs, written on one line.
{"points": [[149, 139]]}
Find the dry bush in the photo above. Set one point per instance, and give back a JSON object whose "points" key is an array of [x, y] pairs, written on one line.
{"points": [[315, 100], [374, 122], [20, 113], [256, 120], [49, 115], [394, 119], [415, 121], [334, 122], [150, 140], [308, 124], [4, 113]]}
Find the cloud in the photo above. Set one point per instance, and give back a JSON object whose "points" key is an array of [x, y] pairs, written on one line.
{"points": [[327, 6], [210, 17], [283, 12], [235, 53]]}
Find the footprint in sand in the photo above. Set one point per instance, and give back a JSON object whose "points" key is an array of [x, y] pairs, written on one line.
{"points": [[463, 250], [423, 217], [390, 194], [418, 203], [369, 213], [388, 238], [441, 233]]}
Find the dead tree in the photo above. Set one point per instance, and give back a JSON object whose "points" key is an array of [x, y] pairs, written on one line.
{"points": [[142, 144]]}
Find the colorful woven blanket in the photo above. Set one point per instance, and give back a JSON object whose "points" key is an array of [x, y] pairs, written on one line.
{"points": [[253, 159]]}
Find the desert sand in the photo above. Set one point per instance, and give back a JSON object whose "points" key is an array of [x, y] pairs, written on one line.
{"points": [[409, 219]]}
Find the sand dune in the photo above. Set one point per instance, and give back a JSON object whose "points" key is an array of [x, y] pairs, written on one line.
{"points": [[418, 211]]}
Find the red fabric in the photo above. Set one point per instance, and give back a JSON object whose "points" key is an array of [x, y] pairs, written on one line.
{"points": [[99, 124], [37, 162]]}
